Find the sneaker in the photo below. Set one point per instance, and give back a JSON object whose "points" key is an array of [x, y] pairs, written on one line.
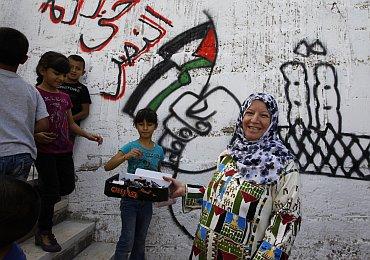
{"points": [[47, 241]]}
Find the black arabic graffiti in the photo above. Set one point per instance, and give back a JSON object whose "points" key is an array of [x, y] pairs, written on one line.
{"points": [[319, 144]]}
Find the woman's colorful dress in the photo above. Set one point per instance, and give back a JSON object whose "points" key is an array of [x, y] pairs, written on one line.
{"points": [[243, 220]]}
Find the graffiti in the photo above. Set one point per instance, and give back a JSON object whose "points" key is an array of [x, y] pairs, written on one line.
{"points": [[57, 13], [132, 52], [315, 135], [194, 121], [191, 113], [204, 57], [305, 49], [107, 17], [296, 90]]}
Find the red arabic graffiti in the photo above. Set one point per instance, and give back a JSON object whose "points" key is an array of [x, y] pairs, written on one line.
{"points": [[61, 11], [117, 10]]}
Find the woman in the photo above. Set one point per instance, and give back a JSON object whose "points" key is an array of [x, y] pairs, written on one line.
{"points": [[250, 208]]}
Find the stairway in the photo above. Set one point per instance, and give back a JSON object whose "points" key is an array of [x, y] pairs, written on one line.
{"points": [[75, 236]]}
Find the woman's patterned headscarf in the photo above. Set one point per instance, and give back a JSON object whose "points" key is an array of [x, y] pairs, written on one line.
{"points": [[260, 161]]}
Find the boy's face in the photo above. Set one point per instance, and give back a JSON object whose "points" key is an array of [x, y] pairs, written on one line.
{"points": [[77, 70], [145, 129]]}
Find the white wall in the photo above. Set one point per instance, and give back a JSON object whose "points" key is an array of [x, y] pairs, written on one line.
{"points": [[255, 50]]}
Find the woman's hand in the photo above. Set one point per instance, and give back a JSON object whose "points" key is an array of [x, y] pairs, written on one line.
{"points": [[44, 137], [177, 188], [95, 137]]}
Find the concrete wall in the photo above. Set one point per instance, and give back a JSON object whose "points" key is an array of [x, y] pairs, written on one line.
{"points": [[313, 56]]}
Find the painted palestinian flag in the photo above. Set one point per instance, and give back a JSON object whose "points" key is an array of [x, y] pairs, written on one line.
{"points": [[203, 57]]}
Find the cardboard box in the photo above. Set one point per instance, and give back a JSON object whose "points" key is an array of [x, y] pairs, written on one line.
{"points": [[143, 185]]}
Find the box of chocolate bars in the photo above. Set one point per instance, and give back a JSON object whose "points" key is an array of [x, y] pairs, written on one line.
{"points": [[143, 185]]}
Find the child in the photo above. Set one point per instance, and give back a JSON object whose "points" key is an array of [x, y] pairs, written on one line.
{"points": [[19, 210], [23, 111], [78, 92], [54, 162], [135, 214]]}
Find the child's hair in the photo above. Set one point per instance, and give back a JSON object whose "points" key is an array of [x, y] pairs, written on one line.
{"points": [[146, 114], [54, 60], [13, 46], [19, 209], [76, 57]]}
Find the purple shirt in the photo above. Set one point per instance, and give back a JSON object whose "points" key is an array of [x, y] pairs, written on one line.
{"points": [[57, 105]]}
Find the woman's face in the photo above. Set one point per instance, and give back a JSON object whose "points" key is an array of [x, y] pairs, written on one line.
{"points": [[256, 120]]}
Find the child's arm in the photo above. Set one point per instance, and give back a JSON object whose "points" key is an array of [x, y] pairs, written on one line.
{"points": [[84, 112], [115, 161], [78, 131], [120, 157], [42, 125], [44, 137]]}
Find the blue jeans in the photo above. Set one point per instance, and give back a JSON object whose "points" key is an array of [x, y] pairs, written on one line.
{"points": [[136, 216], [17, 165]]}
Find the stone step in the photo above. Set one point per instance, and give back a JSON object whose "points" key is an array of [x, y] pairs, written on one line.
{"points": [[97, 251], [60, 214], [60, 211], [73, 235]]}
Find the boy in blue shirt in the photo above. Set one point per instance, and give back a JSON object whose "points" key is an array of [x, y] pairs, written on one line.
{"points": [[136, 214]]}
